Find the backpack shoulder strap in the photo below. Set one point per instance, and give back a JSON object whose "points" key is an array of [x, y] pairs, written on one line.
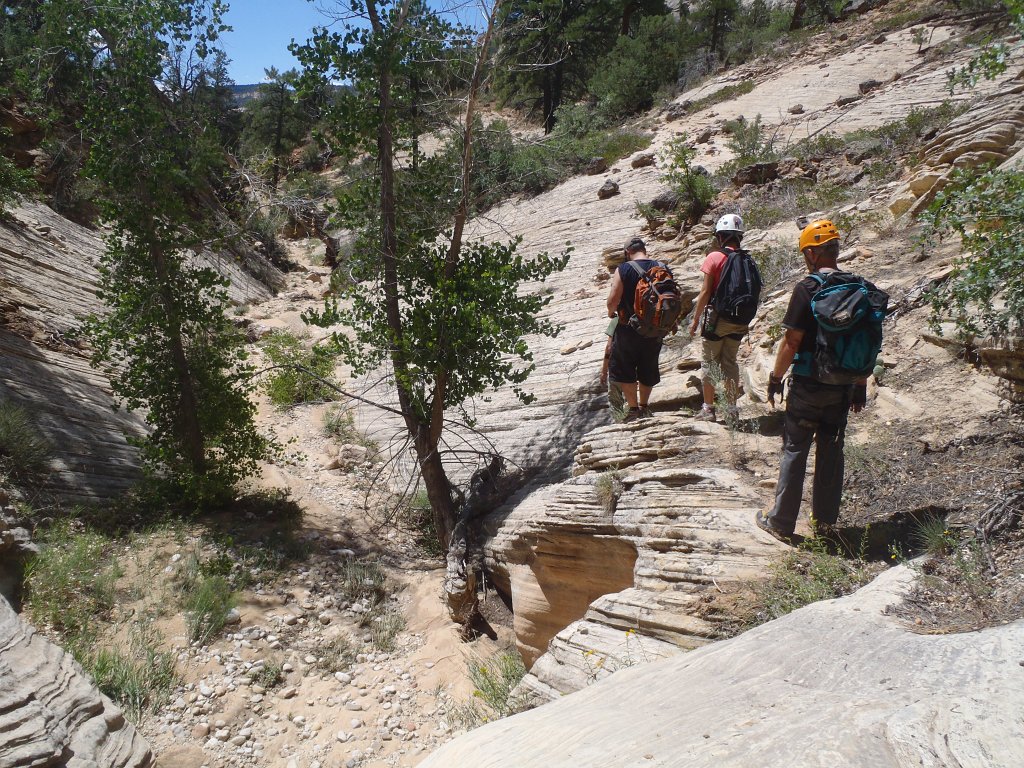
{"points": [[639, 270]]}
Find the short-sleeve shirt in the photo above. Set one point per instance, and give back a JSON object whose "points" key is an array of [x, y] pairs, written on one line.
{"points": [[630, 277], [713, 264], [799, 316]]}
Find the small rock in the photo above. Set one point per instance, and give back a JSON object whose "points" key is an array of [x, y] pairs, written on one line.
{"points": [[201, 731], [705, 136], [796, 109], [644, 160], [607, 190], [869, 85], [597, 165], [287, 693]]}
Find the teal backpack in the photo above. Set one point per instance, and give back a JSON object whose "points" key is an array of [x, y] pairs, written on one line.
{"points": [[849, 312]]}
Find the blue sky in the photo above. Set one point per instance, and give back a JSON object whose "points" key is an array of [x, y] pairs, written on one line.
{"points": [[264, 28]]}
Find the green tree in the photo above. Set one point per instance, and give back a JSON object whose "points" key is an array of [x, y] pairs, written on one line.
{"points": [[985, 292], [447, 315], [638, 65], [165, 340], [275, 120], [550, 49]]}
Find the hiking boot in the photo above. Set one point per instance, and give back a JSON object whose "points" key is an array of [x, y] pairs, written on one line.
{"points": [[762, 522], [706, 414], [645, 412], [631, 415]]}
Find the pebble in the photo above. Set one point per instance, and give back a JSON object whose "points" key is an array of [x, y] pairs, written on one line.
{"points": [[287, 693], [201, 731]]}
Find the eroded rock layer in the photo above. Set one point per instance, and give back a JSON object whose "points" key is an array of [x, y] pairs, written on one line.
{"points": [[653, 535], [50, 712], [837, 684]]}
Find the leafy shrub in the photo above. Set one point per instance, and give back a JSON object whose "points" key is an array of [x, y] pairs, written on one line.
{"points": [[985, 292], [14, 182], [493, 680], [504, 166], [270, 675], [298, 380], [24, 452], [777, 263], [749, 143], [691, 184]]}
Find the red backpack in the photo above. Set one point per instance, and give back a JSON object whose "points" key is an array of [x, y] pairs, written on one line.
{"points": [[657, 302]]}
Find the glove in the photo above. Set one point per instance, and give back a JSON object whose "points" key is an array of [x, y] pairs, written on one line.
{"points": [[859, 398], [775, 387]]}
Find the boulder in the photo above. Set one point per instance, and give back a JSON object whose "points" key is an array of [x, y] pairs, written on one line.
{"points": [[607, 190], [868, 86], [595, 166], [665, 202], [51, 714], [758, 173], [883, 695], [1005, 358], [643, 160]]}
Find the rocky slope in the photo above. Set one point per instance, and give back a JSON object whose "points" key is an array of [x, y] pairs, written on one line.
{"points": [[838, 683]]}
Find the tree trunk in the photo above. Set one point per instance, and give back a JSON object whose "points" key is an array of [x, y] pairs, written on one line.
{"points": [[189, 432], [799, 7], [278, 137], [547, 89]]}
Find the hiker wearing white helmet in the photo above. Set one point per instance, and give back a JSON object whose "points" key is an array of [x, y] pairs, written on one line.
{"points": [[726, 305]]}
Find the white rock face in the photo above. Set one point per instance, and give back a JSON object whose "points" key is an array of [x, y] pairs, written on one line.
{"points": [[50, 712], [835, 684]]}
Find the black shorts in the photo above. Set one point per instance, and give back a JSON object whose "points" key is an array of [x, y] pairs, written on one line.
{"points": [[634, 358]]}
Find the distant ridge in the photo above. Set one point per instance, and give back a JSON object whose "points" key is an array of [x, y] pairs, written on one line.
{"points": [[244, 93]]}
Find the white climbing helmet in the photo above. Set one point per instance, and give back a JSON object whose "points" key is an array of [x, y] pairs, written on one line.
{"points": [[730, 222]]}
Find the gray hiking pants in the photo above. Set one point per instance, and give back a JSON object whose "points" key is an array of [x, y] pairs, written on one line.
{"points": [[813, 412]]}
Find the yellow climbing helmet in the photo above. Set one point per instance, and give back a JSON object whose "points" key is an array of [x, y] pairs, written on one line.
{"points": [[817, 233]]}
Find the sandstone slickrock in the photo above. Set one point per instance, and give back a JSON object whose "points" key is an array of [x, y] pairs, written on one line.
{"points": [[623, 578], [991, 132], [837, 683], [50, 712]]}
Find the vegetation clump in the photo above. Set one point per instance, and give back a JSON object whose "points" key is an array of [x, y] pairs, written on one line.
{"points": [[298, 374]]}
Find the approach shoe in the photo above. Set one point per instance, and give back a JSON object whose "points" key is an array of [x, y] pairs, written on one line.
{"points": [[762, 522], [706, 414]]}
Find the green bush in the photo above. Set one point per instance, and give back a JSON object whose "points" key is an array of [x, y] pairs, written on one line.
{"points": [[749, 143], [694, 188], [985, 292], [14, 182], [726, 93], [24, 452], [504, 166], [288, 385], [493, 680]]}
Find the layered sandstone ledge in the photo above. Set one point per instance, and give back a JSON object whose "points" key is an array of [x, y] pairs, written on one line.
{"points": [[838, 683], [51, 714]]}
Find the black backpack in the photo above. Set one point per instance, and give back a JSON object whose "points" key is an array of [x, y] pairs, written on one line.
{"points": [[849, 312], [739, 287]]}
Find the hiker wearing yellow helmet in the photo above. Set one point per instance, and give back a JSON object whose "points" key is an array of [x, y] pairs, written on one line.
{"points": [[816, 410]]}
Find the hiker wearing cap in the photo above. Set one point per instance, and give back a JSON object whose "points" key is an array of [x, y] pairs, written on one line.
{"points": [[633, 357], [825, 384], [723, 312]]}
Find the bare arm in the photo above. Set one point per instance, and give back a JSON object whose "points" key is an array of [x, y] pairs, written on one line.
{"points": [[702, 301], [787, 351], [614, 294]]}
